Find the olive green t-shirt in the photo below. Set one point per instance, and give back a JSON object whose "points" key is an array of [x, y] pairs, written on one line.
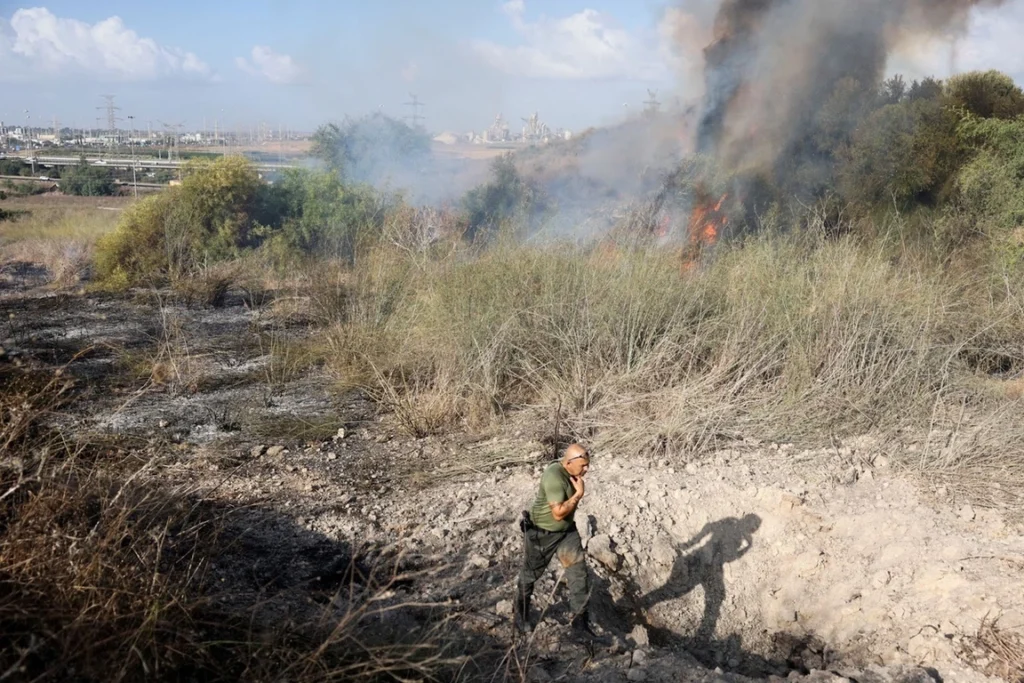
{"points": [[555, 487]]}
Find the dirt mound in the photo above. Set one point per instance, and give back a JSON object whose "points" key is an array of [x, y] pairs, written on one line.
{"points": [[748, 565]]}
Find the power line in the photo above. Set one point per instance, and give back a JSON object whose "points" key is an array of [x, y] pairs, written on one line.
{"points": [[415, 117], [172, 130], [652, 103], [112, 118]]}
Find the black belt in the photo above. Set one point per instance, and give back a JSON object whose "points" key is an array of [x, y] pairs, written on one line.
{"points": [[526, 524]]}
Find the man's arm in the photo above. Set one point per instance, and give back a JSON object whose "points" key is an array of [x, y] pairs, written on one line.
{"points": [[562, 510]]}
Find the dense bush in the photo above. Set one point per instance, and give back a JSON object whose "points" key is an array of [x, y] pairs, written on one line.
{"points": [[904, 152], [87, 181], [987, 94], [506, 197], [224, 210], [324, 216], [220, 210], [371, 148], [990, 187], [11, 166]]}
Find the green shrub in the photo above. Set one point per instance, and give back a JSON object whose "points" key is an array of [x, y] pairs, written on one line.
{"points": [[987, 94], [325, 217], [88, 181], [904, 152], [991, 183], [369, 148], [507, 197], [218, 212], [11, 166]]}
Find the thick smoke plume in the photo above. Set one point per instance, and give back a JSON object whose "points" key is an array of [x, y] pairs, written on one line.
{"points": [[773, 64]]}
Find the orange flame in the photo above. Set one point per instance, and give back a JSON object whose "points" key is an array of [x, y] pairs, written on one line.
{"points": [[706, 222], [664, 225]]}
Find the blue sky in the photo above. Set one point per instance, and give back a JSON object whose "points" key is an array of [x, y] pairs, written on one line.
{"points": [[298, 63]]}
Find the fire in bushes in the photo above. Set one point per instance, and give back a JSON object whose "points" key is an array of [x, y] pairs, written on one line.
{"points": [[770, 69], [772, 64]]}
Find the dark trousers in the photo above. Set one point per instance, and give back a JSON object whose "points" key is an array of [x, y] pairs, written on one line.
{"points": [[539, 547]]}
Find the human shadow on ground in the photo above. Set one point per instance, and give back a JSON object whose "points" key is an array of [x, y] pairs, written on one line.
{"points": [[728, 540], [699, 562]]}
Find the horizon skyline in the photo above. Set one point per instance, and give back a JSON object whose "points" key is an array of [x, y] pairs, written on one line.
{"points": [[578, 63]]}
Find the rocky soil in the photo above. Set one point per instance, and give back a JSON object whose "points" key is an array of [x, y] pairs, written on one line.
{"points": [[759, 562]]}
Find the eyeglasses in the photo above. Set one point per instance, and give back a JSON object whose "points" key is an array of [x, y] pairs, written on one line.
{"points": [[577, 457]]}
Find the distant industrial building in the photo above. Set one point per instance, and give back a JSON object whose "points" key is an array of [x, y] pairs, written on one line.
{"points": [[534, 131]]}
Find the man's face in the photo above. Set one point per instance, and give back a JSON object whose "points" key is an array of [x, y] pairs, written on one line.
{"points": [[578, 466]]}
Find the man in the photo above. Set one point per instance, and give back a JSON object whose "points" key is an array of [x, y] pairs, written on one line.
{"points": [[549, 529]]}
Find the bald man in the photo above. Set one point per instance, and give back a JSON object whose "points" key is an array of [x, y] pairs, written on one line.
{"points": [[549, 529]]}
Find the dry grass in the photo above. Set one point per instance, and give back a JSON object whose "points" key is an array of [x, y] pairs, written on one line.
{"points": [[785, 338], [58, 233], [997, 651], [107, 575]]}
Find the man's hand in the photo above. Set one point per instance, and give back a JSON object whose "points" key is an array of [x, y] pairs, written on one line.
{"points": [[562, 510], [577, 483]]}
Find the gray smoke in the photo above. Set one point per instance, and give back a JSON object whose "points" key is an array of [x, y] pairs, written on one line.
{"points": [[773, 63]]}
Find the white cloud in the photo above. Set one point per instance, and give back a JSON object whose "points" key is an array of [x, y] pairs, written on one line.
{"points": [[273, 66], [36, 42], [582, 46]]}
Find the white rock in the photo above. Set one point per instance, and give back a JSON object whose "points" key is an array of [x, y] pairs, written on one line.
{"points": [[503, 608], [639, 636], [966, 513], [636, 675], [275, 451], [600, 548], [663, 552]]}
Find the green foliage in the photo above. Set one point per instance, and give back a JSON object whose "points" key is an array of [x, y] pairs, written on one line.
{"points": [[987, 94], [926, 89], [849, 102], [367, 149], [893, 90], [902, 152], [328, 146], [11, 166], [224, 200], [217, 213], [505, 198], [991, 185], [88, 181], [324, 216], [916, 145], [23, 189]]}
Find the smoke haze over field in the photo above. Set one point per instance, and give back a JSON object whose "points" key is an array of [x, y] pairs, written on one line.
{"points": [[771, 63]]}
